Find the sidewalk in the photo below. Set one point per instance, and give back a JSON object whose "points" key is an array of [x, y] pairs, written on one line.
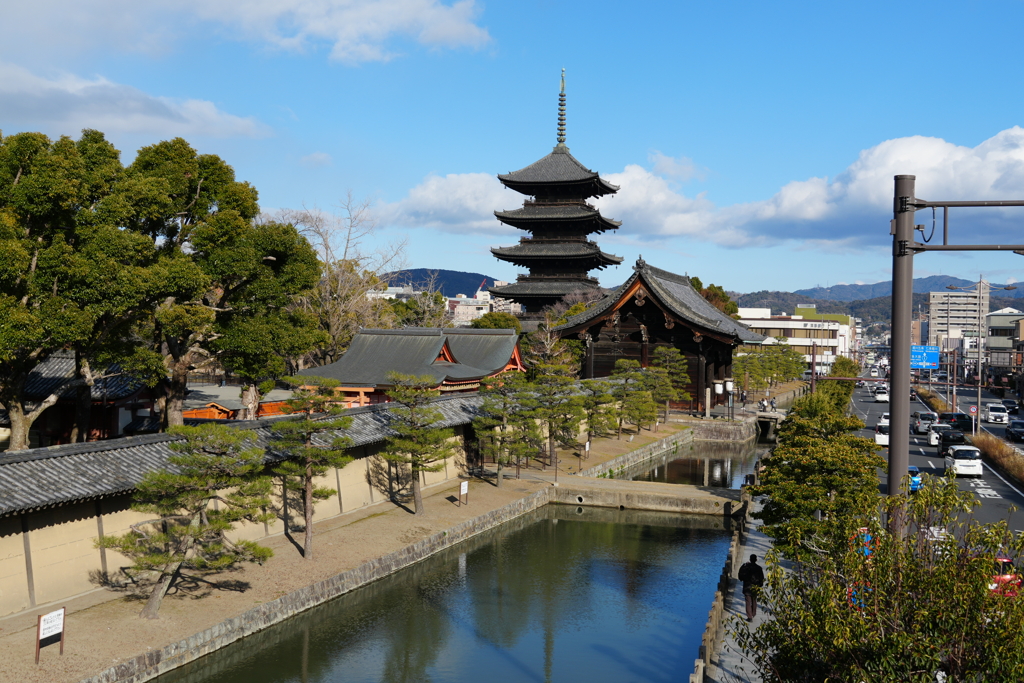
{"points": [[729, 664]]}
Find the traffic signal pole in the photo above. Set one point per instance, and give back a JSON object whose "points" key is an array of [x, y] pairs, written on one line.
{"points": [[902, 303]]}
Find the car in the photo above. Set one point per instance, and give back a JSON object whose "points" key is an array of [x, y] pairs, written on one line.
{"points": [[1011, 405], [861, 383], [874, 372], [920, 420], [995, 413], [935, 430], [1006, 581], [884, 418], [915, 479], [950, 438], [882, 434], [961, 421], [1015, 431], [963, 461], [882, 396]]}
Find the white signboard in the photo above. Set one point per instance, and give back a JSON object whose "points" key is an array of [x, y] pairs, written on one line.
{"points": [[464, 488], [51, 624]]}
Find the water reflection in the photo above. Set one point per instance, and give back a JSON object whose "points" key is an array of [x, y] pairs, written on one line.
{"points": [[703, 463], [563, 594]]}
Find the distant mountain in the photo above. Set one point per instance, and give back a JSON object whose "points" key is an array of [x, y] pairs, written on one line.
{"points": [[935, 283], [448, 282]]}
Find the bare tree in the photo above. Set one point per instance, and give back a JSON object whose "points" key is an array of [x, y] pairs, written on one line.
{"points": [[340, 303]]}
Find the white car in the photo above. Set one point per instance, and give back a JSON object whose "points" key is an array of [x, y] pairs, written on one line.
{"points": [[885, 419], [882, 434], [921, 420], [934, 430], [964, 461], [996, 413], [881, 396]]}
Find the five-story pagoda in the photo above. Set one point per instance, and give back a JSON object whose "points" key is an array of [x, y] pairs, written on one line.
{"points": [[559, 219]]}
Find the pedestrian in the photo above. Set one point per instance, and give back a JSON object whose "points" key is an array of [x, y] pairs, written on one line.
{"points": [[743, 397], [752, 577], [773, 404]]}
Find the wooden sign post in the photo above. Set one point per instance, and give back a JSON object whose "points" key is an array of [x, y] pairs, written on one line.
{"points": [[49, 630], [464, 491]]}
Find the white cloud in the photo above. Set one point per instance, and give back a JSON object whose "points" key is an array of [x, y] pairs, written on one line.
{"points": [[458, 203], [840, 215], [355, 30], [316, 160], [69, 103], [681, 168]]}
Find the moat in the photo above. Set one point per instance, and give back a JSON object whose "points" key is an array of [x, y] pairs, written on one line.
{"points": [[561, 594]]}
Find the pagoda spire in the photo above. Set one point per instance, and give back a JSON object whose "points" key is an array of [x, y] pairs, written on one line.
{"points": [[561, 113]]}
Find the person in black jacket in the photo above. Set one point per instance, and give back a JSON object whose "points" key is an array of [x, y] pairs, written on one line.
{"points": [[752, 577]]}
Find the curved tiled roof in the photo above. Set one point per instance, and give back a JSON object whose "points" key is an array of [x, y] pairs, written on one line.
{"points": [[557, 288], [59, 475], [576, 213], [558, 167], [675, 293], [59, 369], [413, 351], [555, 250]]}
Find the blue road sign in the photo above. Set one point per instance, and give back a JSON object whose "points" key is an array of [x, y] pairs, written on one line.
{"points": [[924, 357]]}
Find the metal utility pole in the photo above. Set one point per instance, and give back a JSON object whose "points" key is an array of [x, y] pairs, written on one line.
{"points": [[904, 246]]}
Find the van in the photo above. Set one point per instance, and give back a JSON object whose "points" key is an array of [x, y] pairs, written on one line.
{"points": [[963, 460], [996, 413], [874, 372]]}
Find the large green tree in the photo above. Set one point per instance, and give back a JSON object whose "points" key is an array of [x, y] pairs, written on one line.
{"points": [[497, 320], [559, 406], [214, 481], [840, 391], [819, 469], [71, 278], [418, 441], [867, 605], [310, 445]]}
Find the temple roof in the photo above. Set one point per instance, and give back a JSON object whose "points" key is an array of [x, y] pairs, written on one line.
{"points": [[558, 168], [558, 213], [529, 250], [543, 288], [58, 475], [416, 351], [676, 294], [59, 369]]}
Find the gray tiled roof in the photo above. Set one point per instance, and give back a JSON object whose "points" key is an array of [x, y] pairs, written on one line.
{"points": [[412, 351], [58, 475], [576, 213], [557, 167], [530, 250], [676, 293], [557, 288], [49, 375]]}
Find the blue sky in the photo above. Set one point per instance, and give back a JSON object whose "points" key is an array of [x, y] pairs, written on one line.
{"points": [[755, 143]]}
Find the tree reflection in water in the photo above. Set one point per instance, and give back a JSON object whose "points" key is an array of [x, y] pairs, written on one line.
{"points": [[562, 594]]}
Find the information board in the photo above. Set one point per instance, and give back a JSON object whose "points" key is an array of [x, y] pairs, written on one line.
{"points": [[924, 357], [50, 630]]}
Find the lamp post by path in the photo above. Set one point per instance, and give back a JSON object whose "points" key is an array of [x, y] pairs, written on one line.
{"points": [[904, 247], [979, 287]]}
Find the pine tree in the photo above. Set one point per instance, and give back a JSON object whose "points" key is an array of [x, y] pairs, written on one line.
{"points": [[559, 406], [628, 377], [639, 408], [214, 481], [417, 443], [671, 377], [310, 445], [599, 407], [506, 426]]}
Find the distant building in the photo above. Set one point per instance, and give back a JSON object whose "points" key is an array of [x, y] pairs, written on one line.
{"points": [[953, 315], [817, 340], [464, 310]]}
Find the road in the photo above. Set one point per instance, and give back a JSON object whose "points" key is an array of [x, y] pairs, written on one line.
{"points": [[995, 493]]}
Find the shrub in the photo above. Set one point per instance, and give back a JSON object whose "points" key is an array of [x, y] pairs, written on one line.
{"points": [[1002, 454]]}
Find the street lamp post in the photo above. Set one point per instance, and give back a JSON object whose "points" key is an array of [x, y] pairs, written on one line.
{"points": [[979, 287], [904, 247]]}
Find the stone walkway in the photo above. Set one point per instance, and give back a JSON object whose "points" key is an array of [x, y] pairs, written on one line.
{"points": [[730, 665]]}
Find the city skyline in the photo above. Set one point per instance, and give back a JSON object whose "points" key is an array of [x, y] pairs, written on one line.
{"points": [[754, 147]]}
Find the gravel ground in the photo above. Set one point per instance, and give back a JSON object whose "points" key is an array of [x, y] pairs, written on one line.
{"points": [[103, 628]]}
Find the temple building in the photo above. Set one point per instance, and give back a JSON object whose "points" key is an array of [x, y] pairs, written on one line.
{"points": [[658, 308], [559, 219]]}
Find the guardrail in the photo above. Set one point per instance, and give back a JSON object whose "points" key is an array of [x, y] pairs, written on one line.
{"points": [[709, 640]]}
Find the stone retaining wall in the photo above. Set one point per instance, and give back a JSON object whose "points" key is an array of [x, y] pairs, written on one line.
{"points": [[709, 640], [648, 452], [724, 430]]}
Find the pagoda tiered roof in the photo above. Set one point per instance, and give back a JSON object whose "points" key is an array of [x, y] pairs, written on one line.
{"points": [[582, 255], [558, 172], [569, 218]]}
